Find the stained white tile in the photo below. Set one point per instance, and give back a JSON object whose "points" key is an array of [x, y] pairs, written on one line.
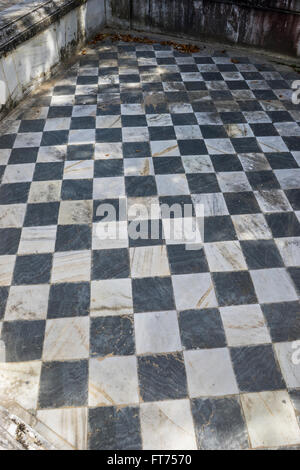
{"points": [[19, 382], [12, 215], [214, 204], [164, 148], [18, 173], [75, 212], [225, 256], [149, 261], [288, 179], [66, 339], [111, 297], [71, 266], [135, 134], [244, 325], [272, 201], [172, 185], [288, 358], [138, 167], [106, 151], [7, 264], [105, 188], [194, 291], [235, 181], [271, 419], [197, 164], [251, 227], [111, 234], [167, 425], [44, 191], [290, 250], [27, 303], [113, 381], [37, 240], [83, 169]]}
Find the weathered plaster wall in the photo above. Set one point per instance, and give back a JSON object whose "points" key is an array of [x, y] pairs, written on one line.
{"points": [[28, 63], [270, 24]]}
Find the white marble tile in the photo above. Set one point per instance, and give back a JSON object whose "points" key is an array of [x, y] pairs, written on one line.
{"points": [[273, 285], [113, 381], [12, 215], [197, 164], [251, 227], [4, 156], [210, 373], [111, 234], [30, 139], [225, 256], [219, 146], [187, 132], [71, 266], [214, 204], [288, 179], [290, 250], [143, 208], [18, 173], [7, 264], [244, 325], [82, 136], [158, 120], [44, 191], [181, 230], [194, 291], [157, 332], [106, 151], [132, 109], [27, 303], [110, 122], [272, 201], [57, 124], [37, 240], [19, 382], [83, 169], [138, 167], [270, 419], [164, 148], [75, 212], [111, 297], [149, 261], [57, 153], [288, 358], [70, 424], [135, 134], [106, 188], [238, 130], [66, 339], [272, 144], [172, 185], [235, 181], [167, 425]]}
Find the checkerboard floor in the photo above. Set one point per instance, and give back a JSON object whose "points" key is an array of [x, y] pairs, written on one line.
{"points": [[141, 343]]}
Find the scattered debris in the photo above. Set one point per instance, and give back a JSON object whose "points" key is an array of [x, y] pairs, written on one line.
{"points": [[183, 48]]}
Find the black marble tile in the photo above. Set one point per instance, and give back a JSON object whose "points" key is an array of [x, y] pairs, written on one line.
{"points": [[234, 288], [292, 143], [241, 203], [63, 384], [219, 424], [281, 160], [283, 224], [112, 335], [109, 209], [226, 162], [256, 369], [41, 214], [7, 141], [51, 138], [73, 237], [9, 240], [60, 90], [140, 186], [176, 206], [245, 145], [192, 147], [60, 111], [295, 397], [293, 196], [162, 377], [261, 254], [183, 261], [4, 291], [152, 294], [83, 122], [168, 165], [69, 300], [32, 269], [233, 117], [138, 120], [264, 130], [14, 193], [162, 133], [213, 132], [23, 155], [112, 428], [201, 329], [145, 233], [218, 228], [23, 340], [184, 119], [203, 183], [283, 320], [262, 180], [77, 190], [136, 149], [48, 171], [80, 152], [32, 125], [109, 135], [295, 275], [108, 168], [110, 264]]}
